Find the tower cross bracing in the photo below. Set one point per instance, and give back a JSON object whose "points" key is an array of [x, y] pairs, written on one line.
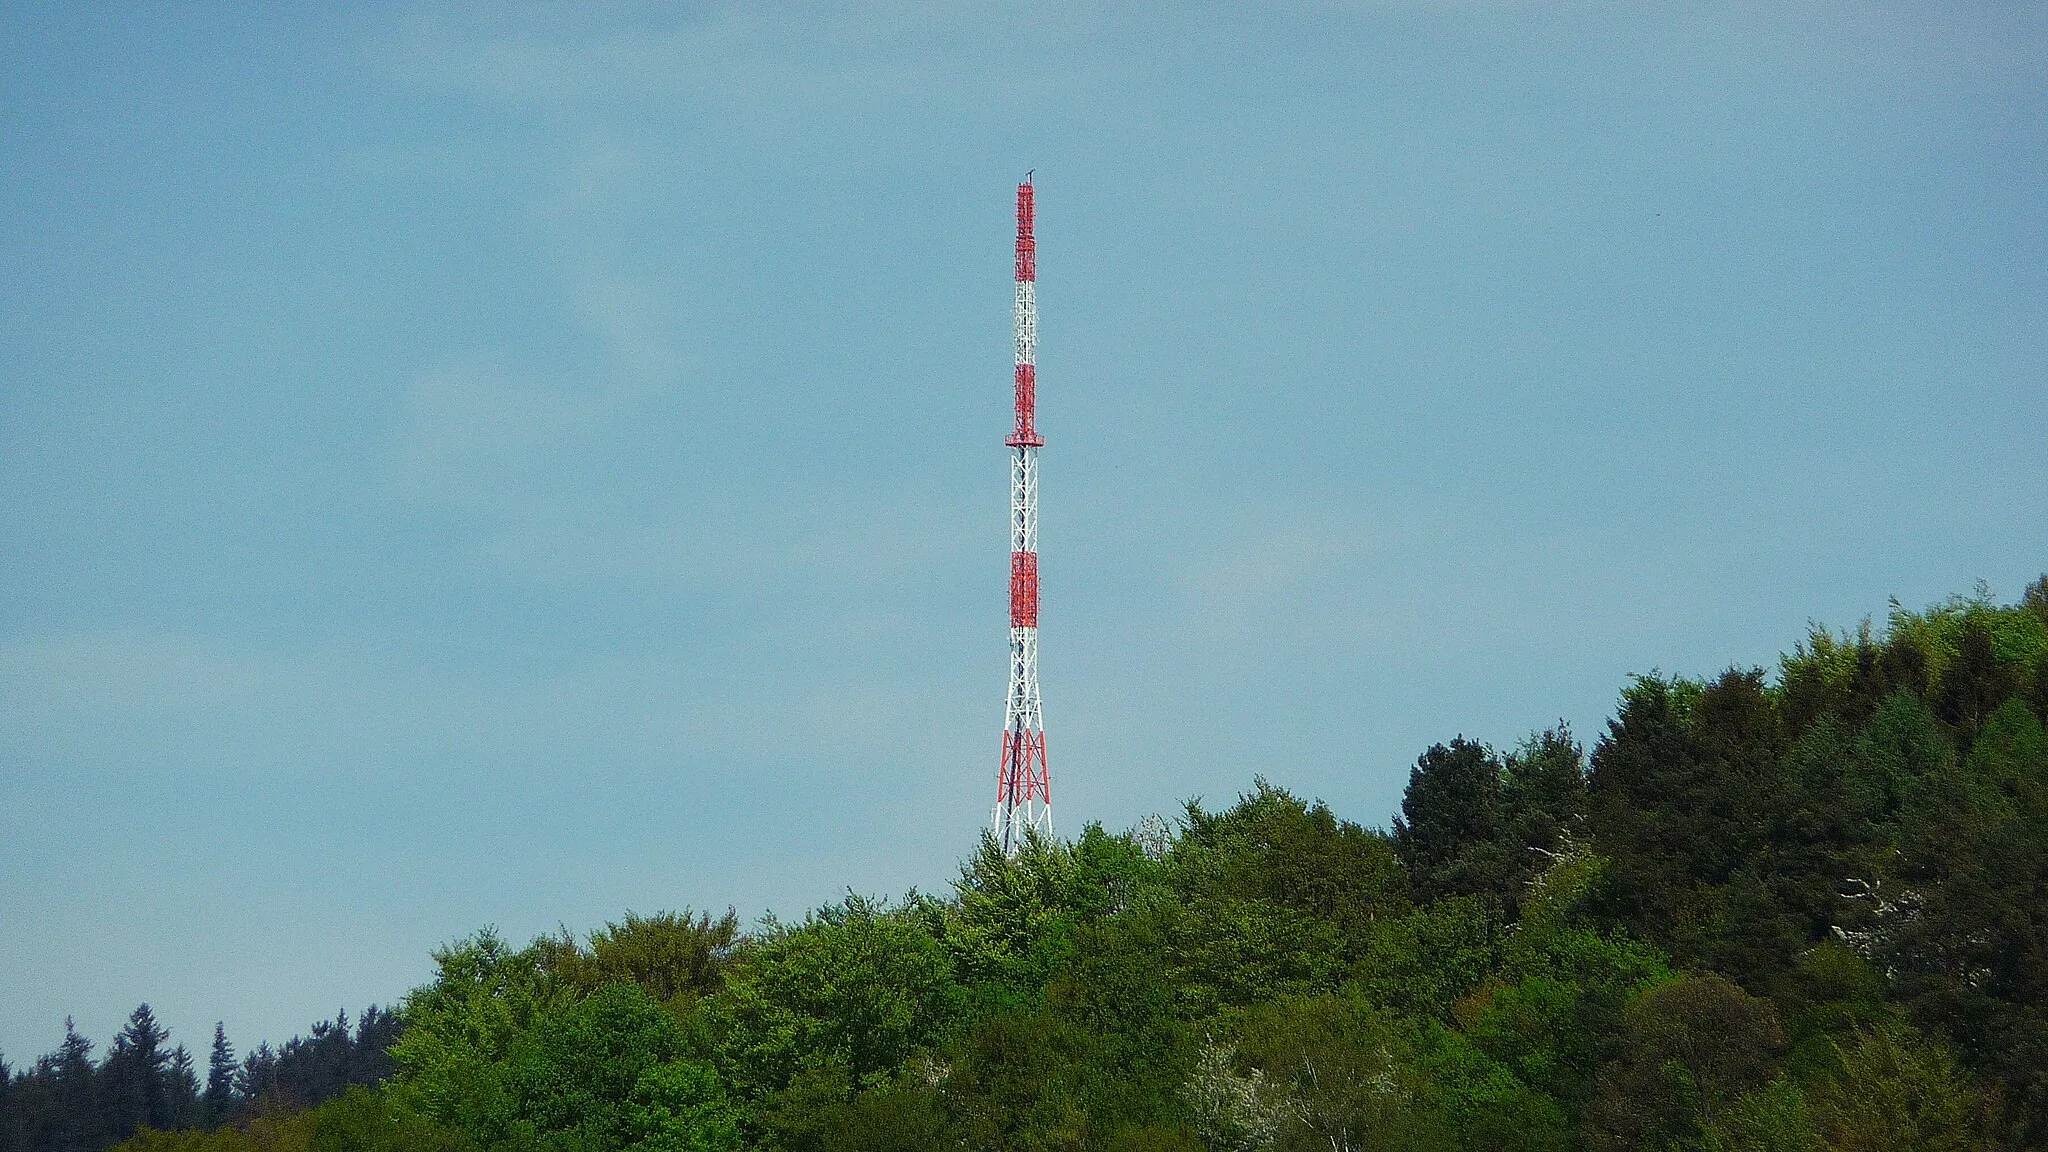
{"points": [[1024, 783]]}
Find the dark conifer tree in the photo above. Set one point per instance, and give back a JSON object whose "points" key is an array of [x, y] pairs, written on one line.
{"points": [[257, 1077], [375, 1033], [219, 1100], [1474, 825], [313, 1069], [71, 1119], [1975, 682], [1449, 830], [1684, 793], [133, 1076], [1971, 960], [182, 1108]]}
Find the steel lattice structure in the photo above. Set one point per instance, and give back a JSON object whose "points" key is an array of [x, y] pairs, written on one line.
{"points": [[1024, 783]]}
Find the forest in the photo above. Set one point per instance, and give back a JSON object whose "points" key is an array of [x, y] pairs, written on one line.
{"points": [[1802, 910]]}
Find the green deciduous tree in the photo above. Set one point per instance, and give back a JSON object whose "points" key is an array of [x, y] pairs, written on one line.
{"points": [[460, 1031], [676, 957], [1020, 1082], [852, 992], [1774, 1118], [1896, 1093], [572, 1079], [1014, 919], [1692, 1048], [1344, 1075], [681, 1106], [1274, 849], [1421, 964], [904, 1118], [364, 1121]]}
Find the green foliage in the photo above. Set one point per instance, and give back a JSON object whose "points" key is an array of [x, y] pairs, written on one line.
{"points": [[1449, 836], [851, 993], [1967, 940], [1897, 1094], [365, 1121], [574, 1078], [1814, 841], [1902, 748], [2009, 761], [1720, 937], [1013, 924], [1482, 1101], [905, 1118], [1271, 848], [1774, 1118], [1156, 1138], [1232, 953], [1543, 802], [1344, 1074], [1842, 677], [1691, 1050], [358, 1121], [1421, 964], [1554, 1011], [461, 1028], [681, 1106], [1967, 638], [292, 1132], [1020, 1082], [1684, 794], [1123, 994], [1473, 824], [1828, 994], [677, 958]]}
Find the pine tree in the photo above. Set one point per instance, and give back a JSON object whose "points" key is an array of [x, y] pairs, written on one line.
{"points": [[133, 1076], [315, 1068], [219, 1101], [73, 1116], [182, 1108], [257, 1076], [375, 1033]]}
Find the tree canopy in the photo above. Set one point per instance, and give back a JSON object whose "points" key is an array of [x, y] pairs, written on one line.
{"points": [[1799, 910]]}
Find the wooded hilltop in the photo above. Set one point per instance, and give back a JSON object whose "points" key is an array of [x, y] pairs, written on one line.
{"points": [[1792, 912]]}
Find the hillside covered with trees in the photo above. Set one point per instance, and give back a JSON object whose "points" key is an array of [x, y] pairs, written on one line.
{"points": [[1800, 911]]}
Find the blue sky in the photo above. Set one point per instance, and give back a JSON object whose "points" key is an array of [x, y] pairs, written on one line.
{"points": [[511, 465]]}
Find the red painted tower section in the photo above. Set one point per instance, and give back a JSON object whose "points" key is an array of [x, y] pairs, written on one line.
{"points": [[1024, 782]]}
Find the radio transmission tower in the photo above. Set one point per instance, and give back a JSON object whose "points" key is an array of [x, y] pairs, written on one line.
{"points": [[1024, 784]]}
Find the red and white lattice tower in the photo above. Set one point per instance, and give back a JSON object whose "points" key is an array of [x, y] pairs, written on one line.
{"points": [[1024, 784]]}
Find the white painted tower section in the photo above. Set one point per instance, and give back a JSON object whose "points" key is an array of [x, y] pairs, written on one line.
{"points": [[1024, 784]]}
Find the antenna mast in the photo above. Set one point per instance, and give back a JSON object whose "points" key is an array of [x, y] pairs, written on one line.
{"points": [[1024, 784]]}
